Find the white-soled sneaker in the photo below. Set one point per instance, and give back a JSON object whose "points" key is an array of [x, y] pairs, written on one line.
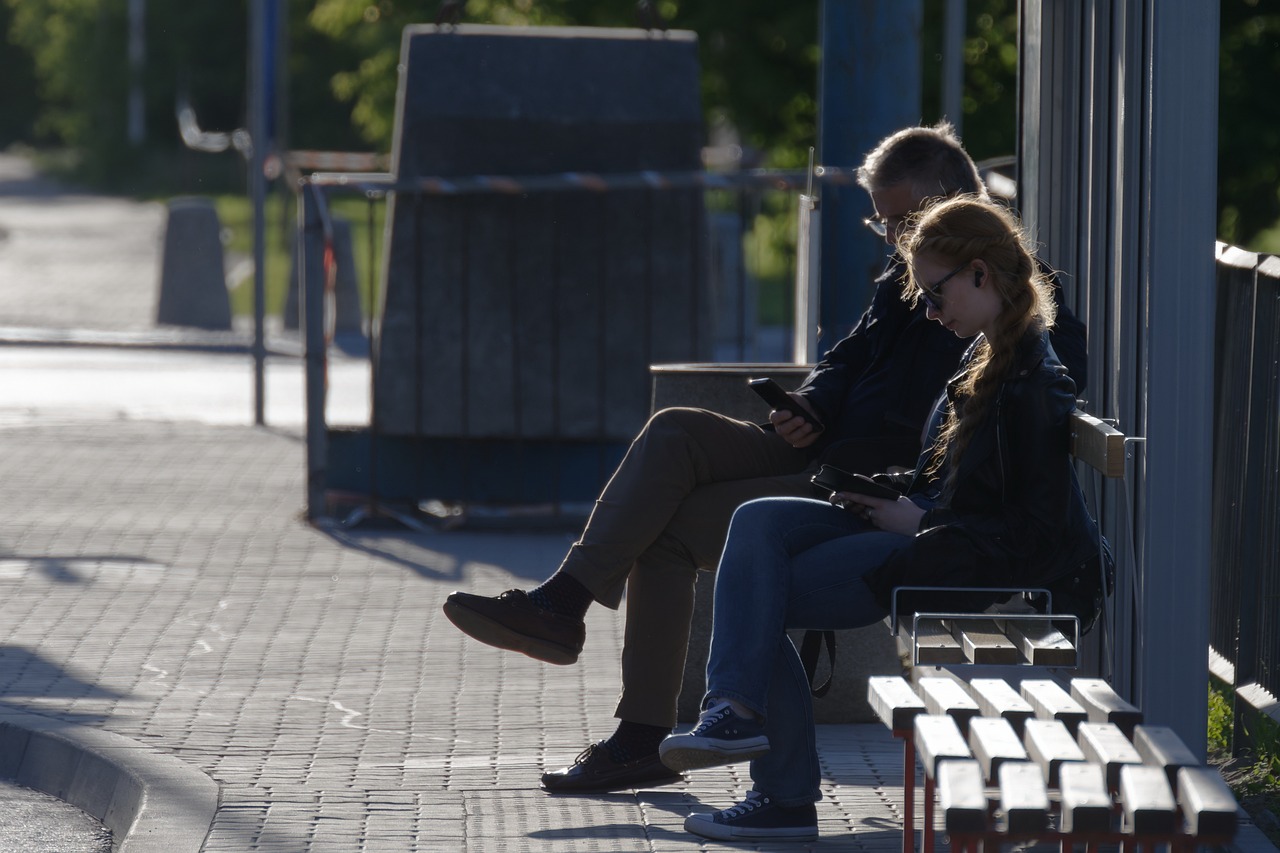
{"points": [[757, 817], [720, 737]]}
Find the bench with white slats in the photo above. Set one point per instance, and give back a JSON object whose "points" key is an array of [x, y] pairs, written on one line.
{"points": [[1068, 773], [1051, 702], [994, 743], [1050, 746], [997, 699], [948, 697], [1102, 704], [1105, 745]]}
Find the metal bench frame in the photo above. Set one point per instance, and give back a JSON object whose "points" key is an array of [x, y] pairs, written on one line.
{"points": [[1059, 621]]}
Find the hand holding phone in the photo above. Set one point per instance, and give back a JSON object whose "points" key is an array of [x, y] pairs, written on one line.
{"points": [[771, 392], [834, 480]]}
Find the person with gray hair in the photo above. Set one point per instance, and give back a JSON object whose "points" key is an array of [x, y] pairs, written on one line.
{"points": [[929, 159], [665, 512]]}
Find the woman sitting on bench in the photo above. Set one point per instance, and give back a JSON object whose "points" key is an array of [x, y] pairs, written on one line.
{"points": [[993, 502]]}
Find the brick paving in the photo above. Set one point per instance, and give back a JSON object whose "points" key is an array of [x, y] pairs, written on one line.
{"points": [[158, 581]]}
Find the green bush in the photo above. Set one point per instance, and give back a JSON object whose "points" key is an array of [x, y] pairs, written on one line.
{"points": [[1220, 720]]}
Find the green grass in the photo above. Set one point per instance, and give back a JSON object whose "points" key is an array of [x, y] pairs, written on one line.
{"points": [[1254, 775], [1220, 722], [235, 212], [769, 247]]}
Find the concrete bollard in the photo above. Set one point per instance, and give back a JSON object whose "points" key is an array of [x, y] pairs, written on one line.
{"points": [[349, 319], [193, 281]]}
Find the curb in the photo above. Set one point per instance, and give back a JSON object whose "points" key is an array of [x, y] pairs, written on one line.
{"points": [[171, 339], [349, 345], [151, 802]]}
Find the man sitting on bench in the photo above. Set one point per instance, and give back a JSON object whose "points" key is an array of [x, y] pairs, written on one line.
{"points": [[665, 512]]}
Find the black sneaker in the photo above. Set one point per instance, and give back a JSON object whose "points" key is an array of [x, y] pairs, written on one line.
{"points": [[512, 621], [595, 772], [721, 737], [757, 817]]}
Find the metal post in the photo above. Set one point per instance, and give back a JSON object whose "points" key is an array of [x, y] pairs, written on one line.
{"points": [[310, 220], [258, 133], [804, 340], [137, 116], [1118, 181], [1181, 186], [869, 86], [953, 64]]}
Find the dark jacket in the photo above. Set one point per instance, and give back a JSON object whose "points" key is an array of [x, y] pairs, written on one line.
{"points": [[1017, 517], [880, 382]]}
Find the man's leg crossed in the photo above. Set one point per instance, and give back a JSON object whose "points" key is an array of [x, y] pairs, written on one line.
{"points": [[678, 450]]}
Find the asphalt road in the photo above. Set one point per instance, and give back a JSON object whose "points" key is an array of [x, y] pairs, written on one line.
{"points": [[32, 822]]}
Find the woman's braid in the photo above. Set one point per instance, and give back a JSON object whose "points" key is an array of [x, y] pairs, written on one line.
{"points": [[961, 230]]}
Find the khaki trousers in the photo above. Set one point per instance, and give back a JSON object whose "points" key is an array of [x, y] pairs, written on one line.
{"points": [[663, 515]]}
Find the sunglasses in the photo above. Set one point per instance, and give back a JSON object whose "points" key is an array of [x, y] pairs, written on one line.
{"points": [[932, 296], [882, 227]]}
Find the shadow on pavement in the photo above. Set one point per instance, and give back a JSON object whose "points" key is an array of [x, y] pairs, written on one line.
{"points": [[447, 555], [27, 675]]}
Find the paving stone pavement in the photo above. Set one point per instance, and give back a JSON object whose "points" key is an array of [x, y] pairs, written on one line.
{"points": [[158, 581]]}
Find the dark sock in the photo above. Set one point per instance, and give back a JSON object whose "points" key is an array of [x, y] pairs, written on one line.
{"points": [[562, 594], [634, 740]]}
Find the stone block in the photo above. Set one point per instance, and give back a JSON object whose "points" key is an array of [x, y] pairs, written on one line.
{"points": [[534, 316], [193, 280]]}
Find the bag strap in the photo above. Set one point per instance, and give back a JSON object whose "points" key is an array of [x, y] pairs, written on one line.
{"points": [[810, 648]]}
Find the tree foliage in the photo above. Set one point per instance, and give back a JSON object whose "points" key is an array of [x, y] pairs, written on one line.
{"points": [[990, 55], [67, 76], [1249, 124], [79, 51], [17, 87], [759, 58]]}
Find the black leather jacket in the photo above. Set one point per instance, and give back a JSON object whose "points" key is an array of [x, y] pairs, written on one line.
{"points": [[1017, 517], [881, 381]]}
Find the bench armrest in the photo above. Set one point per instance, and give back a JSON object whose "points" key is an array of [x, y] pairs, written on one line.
{"points": [[893, 601]]}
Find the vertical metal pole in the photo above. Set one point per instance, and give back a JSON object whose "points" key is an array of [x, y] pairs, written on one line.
{"points": [[953, 64], [258, 133], [804, 340], [311, 286], [1180, 143], [137, 117], [868, 87]]}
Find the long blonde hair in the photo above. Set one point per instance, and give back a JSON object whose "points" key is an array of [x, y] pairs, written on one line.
{"points": [[958, 231]]}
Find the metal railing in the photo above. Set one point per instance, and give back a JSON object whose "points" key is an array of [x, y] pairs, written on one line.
{"points": [[1245, 574]]}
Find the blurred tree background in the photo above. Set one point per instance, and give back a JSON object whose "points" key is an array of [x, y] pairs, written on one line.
{"points": [[66, 78]]}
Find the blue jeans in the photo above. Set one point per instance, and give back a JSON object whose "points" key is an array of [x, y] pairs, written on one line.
{"points": [[788, 563]]}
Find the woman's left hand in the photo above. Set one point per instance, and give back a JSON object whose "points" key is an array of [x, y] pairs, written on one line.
{"points": [[898, 516]]}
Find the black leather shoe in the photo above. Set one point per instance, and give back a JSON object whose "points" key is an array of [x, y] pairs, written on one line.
{"points": [[512, 621], [595, 772]]}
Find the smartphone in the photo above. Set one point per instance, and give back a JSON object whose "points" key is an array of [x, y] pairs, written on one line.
{"points": [[834, 479], [771, 392]]}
